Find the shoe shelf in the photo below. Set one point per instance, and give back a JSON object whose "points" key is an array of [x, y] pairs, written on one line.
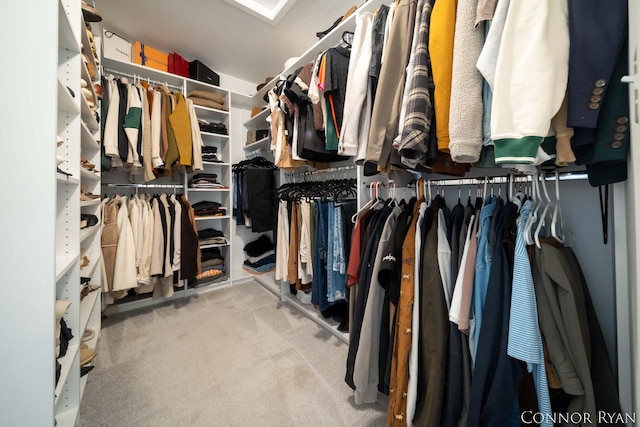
{"points": [[87, 270], [85, 173], [87, 115], [66, 363], [66, 102], [259, 121], [86, 232], [86, 46], [63, 264], [261, 143], [87, 78], [87, 139], [87, 305], [67, 38]]}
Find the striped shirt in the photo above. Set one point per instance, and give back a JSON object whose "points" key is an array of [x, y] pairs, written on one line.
{"points": [[525, 341]]}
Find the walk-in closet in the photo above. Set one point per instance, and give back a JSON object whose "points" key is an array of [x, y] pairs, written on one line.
{"points": [[301, 213]]}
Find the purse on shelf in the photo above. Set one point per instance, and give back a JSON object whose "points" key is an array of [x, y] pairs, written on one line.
{"points": [[178, 65]]}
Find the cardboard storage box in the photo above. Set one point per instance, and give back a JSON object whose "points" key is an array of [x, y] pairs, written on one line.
{"points": [[149, 57], [115, 46], [199, 71]]}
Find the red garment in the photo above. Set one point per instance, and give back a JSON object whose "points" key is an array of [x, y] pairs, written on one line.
{"points": [[355, 254]]}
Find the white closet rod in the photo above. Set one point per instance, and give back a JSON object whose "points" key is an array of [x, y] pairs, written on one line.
{"points": [[568, 176], [132, 185], [319, 171], [139, 77]]}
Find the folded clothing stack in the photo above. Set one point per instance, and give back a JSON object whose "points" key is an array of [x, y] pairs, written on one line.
{"points": [[212, 262], [211, 127], [261, 256], [205, 180], [208, 208], [210, 154], [208, 99], [211, 236]]}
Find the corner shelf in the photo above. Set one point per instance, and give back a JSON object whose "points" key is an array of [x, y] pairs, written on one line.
{"points": [[67, 38], [259, 121], [64, 179], [86, 308], [261, 143], [87, 270]]}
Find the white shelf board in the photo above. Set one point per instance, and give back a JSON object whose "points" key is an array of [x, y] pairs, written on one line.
{"points": [[66, 363], [87, 270], [208, 189], [204, 218], [65, 101], [64, 179], [241, 99], [87, 306], [214, 246], [328, 41], [86, 232], [84, 173], [259, 121], [142, 71], [261, 143], [64, 263], [68, 418], [210, 113], [89, 203], [86, 46], [87, 115], [87, 139], [214, 137], [193, 84], [215, 164], [67, 38]]}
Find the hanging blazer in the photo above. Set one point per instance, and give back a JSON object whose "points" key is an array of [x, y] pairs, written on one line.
{"points": [[597, 30], [563, 322]]}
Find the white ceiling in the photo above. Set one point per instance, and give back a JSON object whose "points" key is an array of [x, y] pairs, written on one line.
{"points": [[223, 37]]}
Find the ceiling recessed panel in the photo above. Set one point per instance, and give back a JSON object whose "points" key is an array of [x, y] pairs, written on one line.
{"points": [[270, 11]]}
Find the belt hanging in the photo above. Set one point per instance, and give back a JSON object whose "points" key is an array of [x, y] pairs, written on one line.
{"points": [[604, 212]]}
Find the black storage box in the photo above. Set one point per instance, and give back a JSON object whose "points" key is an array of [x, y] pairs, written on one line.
{"points": [[199, 71]]}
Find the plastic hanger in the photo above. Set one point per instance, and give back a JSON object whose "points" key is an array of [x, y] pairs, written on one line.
{"points": [[533, 217], [547, 209]]}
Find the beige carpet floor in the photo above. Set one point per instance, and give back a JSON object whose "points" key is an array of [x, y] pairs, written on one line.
{"points": [[231, 357]]}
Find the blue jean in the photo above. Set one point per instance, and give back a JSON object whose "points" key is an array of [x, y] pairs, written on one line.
{"points": [[481, 279], [336, 281]]}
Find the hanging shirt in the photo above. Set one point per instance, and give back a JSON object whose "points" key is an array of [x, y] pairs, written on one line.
{"points": [[525, 340]]}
